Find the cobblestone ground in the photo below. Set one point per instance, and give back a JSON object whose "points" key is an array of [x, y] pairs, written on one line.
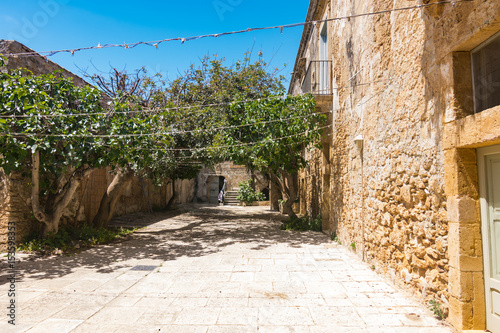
{"points": [[210, 269]]}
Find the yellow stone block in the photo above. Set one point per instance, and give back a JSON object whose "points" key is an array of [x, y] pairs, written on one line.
{"points": [[463, 209], [460, 314], [462, 240], [450, 136], [461, 173], [471, 264], [461, 286], [478, 302]]}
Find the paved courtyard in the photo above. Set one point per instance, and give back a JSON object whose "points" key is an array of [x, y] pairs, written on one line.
{"points": [[210, 269]]}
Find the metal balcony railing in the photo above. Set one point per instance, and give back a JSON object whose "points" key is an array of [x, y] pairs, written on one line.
{"points": [[317, 80]]}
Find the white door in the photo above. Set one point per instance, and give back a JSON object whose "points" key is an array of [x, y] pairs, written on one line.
{"points": [[489, 177], [214, 190]]}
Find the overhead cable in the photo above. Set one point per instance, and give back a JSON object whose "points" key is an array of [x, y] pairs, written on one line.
{"points": [[156, 43]]}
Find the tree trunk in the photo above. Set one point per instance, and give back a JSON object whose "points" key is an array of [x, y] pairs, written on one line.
{"points": [[275, 193], [35, 190], [51, 216], [174, 196], [288, 187], [111, 196]]}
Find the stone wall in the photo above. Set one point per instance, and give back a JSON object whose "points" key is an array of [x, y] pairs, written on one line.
{"points": [[15, 195], [408, 198], [387, 198], [15, 204], [234, 174]]}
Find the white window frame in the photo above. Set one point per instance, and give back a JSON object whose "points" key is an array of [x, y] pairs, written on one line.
{"points": [[324, 85]]}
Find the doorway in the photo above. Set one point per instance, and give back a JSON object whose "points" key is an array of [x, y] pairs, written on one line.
{"points": [[489, 188], [216, 184]]}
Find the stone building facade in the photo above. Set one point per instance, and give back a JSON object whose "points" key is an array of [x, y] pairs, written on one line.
{"points": [[409, 172], [209, 181], [15, 189]]}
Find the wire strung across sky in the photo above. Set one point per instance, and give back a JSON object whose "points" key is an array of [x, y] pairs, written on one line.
{"points": [[41, 135], [185, 39], [155, 110], [36, 135], [177, 108], [194, 158], [237, 144]]}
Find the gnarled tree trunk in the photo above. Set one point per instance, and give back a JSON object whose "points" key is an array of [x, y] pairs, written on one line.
{"points": [[111, 196], [289, 183], [288, 187], [51, 216]]}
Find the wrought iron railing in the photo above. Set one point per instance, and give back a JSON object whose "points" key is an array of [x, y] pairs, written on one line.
{"points": [[317, 80]]}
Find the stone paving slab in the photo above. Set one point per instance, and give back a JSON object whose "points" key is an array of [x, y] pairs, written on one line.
{"points": [[211, 269]]}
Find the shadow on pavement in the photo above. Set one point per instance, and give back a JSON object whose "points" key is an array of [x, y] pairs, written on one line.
{"points": [[192, 231]]}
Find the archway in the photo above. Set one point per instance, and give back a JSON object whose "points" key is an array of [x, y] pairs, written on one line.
{"points": [[266, 193]]}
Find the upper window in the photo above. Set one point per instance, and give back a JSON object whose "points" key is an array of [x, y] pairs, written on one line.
{"points": [[324, 65], [486, 74]]}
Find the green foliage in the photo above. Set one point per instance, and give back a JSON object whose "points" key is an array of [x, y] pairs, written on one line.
{"points": [[353, 246], [247, 194], [334, 237], [40, 115], [212, 85], [436, 308], [66, 239], [302, 224], [68, 126], [279, 129], [277, 132], [73, 132], [143, 140]]}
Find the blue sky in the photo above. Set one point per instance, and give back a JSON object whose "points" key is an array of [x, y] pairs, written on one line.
{"points": [[45, 25]]}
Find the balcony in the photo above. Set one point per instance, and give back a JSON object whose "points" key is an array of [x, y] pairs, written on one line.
{"points": [[317, 80]]}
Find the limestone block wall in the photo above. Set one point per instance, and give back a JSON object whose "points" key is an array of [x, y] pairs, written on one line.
{"points": [[451, 33], [389, 195], [408, 199], [387, 199], [310, 186], [14, 196]]}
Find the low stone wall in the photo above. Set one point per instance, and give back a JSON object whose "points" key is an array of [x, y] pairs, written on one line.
{"points": [[15, 201], [15, 195]]}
